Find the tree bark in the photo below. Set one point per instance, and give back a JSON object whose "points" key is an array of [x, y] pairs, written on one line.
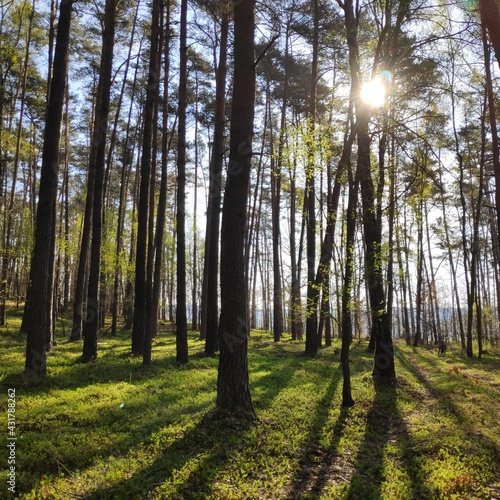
{"points": [[125, 175], [381, 332], [181, 316], [162, 201], [312, 289], [233, 392], [347, 400], [37, 313], [140, 298], [215, 189], [91, 325]]}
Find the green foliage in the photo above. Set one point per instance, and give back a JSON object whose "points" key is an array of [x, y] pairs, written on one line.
{"points": [[114, 429]]}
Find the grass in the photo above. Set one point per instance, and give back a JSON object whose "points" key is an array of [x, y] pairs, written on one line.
{"points": [[113, 429]]}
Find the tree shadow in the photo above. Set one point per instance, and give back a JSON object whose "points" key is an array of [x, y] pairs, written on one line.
{"points": [[445, 402], [208, 445], [316, 459], [441, 365], [385, 426]]}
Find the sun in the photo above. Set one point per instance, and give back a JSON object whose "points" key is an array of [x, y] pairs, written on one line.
{"points": [[374, 92]]}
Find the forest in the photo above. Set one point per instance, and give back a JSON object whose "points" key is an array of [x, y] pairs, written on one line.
{"points": [[250, 250]]}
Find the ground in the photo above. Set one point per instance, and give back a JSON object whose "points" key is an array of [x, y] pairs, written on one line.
{"points": [[113, 429]]}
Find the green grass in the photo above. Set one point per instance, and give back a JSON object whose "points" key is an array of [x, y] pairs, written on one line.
{"points": [[113, 429]]}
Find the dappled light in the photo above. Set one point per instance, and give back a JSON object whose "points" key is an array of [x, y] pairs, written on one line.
{"points": [[250, 249]]}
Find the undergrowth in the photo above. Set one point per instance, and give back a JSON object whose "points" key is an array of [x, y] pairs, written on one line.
{"points": [[114, 429]]}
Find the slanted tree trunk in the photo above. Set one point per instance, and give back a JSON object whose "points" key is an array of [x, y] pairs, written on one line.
{"points": [[37, 316], [233, 392], [323, 271]]}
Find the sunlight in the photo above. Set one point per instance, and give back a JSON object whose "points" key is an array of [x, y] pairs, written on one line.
{"points": [[374, 92]]}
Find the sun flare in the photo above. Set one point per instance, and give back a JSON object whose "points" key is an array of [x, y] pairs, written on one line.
{"points": [[374, 92]]}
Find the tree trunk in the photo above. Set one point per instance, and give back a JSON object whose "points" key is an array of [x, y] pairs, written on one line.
{"points": [[490, 20], [233, 392], [37, 312], [312, 292], [91, 325], [380, 329], [10, 207], [420, 260], [215, 188], [162, 201], [140, 299], [125, 176], [347, 400], [181, 316]]}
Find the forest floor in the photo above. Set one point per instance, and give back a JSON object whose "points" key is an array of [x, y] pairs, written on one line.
{"points": [[113, 429]]}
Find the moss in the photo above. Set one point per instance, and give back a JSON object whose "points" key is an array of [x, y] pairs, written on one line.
{"points": [[113, 429]]}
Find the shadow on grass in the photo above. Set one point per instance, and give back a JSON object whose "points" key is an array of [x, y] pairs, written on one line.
{"points": [[115, 363], [317, 460], [187, 466], [77, 440], [445, 401], [278, 376], [445, 366], [385, 426], [144, 424]]}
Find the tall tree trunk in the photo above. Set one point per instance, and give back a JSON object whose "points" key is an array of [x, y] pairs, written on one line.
{"points": [[10, 207], [37, 312], [323, 271], [420, 260], [129, 296], [91, 325], [347, 399], [381, 332], [233, 392], [494, 33], [125, 175], [312, 291], [140, 299], [276, 173], [215, 188], [162, 201], [490, 20], [181, 316], [83, 261], [67, 270]]}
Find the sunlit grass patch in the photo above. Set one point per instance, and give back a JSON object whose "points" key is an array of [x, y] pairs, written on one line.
{"points": [[114, 429]]}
